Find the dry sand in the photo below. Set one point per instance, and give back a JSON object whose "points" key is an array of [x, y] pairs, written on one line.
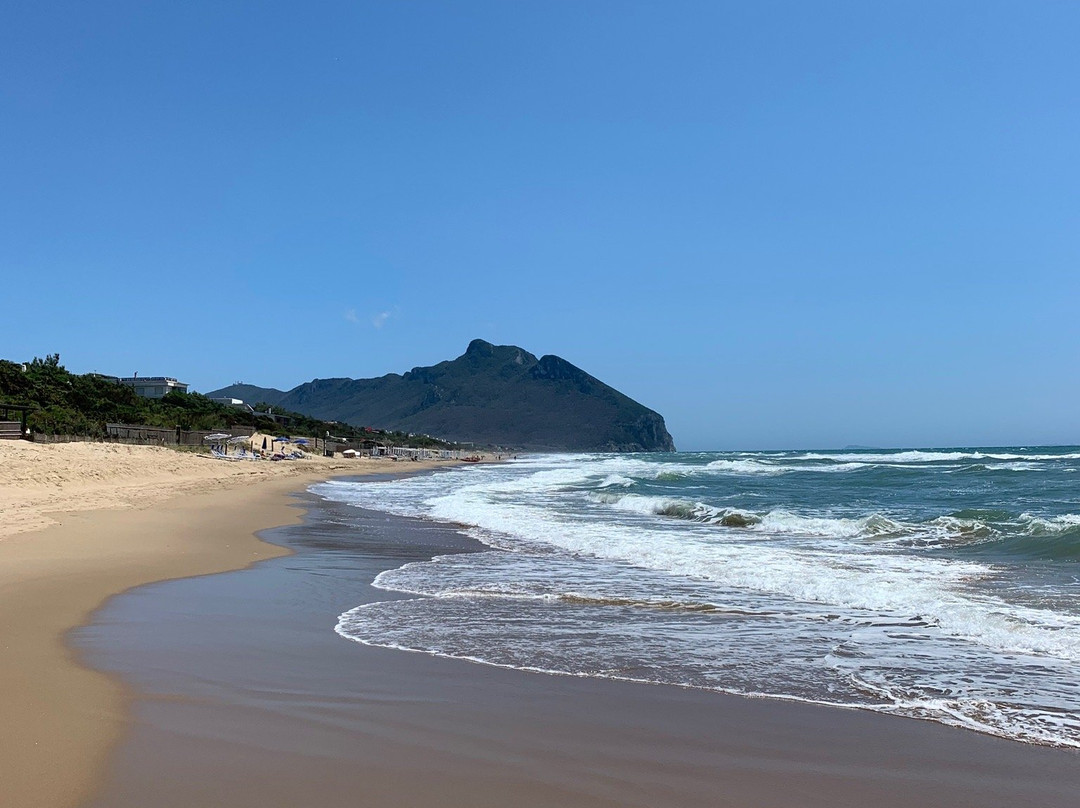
{"points": [[39, 482], [81, 522]]}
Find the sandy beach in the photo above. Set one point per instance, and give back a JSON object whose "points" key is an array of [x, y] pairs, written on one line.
{"points": [[234, 689], [82, 522]]}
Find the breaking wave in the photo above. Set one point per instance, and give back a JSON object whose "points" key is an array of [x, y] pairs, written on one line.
{"points": [[924, 583]]}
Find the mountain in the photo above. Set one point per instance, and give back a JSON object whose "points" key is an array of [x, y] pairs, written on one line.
{"points": [[251, 394], [492, 394]]}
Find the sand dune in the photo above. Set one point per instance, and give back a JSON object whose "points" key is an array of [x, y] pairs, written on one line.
{"points": [[40, 481]]}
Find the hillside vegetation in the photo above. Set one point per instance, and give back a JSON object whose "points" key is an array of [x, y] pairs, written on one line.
{"points": [[70, 404]]}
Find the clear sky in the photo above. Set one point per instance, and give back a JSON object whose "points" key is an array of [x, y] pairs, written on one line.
{"points": [[780, 224]]}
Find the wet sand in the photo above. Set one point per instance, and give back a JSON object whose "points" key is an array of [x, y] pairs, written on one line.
{"points": [[82, 522], [247, 697]]}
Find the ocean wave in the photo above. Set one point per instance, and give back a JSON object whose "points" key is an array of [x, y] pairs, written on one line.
{"points": [[1053, 547], [616, 480], [776, 522], [848, 561], [959, 528], [785, 522], [670, 476], [922, 570], [1050, 525], [679, 509], [981, 468], [746, 467], [873, 525], [853, 580], [767, 468], [659, 506], [1056, 537], [927, 456], [1024, 537]]}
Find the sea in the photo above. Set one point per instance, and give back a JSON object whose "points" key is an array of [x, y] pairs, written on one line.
{"points": [[938, 584]]}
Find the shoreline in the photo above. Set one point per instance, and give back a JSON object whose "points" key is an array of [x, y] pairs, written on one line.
{"points": [[292, 714], [81, 525], [282, 705]]}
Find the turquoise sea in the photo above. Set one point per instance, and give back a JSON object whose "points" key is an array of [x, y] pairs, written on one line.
{"points": [[941, 584]]}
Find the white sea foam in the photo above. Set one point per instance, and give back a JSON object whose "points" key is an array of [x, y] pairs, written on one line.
{"points": [[770, 468], [920, 456], [660, 506], [832, 575], [781, 521], [954, 528], [930, 588], [1026, 465], [613, 480], [776, 522], [746, 467], [578, 537], [1040, 525]]}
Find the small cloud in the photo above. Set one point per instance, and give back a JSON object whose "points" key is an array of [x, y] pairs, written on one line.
{"points": [[350, 315], [379, 320]]}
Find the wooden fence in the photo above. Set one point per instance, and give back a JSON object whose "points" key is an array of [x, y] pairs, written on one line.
{"points": [[41, 437], [139, 435], [134, 434]]}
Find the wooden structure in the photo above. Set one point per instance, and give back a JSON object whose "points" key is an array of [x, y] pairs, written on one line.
{"points": [[10, 429], [158, 436]]}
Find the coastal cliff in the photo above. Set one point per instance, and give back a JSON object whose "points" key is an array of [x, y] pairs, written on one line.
{"points": [[491, 394]]}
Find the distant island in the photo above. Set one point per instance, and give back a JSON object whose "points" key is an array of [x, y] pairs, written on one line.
{"points": [[493, 395]]}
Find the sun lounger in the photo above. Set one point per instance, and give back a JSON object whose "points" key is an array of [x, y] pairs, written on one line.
{"points": [[218, 454]]}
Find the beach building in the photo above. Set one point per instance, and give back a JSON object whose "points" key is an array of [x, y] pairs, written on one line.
{"points": [[11, 429], [154, 386]]}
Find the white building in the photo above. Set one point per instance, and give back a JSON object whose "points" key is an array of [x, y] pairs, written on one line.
{"points": [[154, 386], [230, 402]]}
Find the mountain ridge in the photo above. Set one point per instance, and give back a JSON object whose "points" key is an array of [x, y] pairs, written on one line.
{"points": [[491, 394]]}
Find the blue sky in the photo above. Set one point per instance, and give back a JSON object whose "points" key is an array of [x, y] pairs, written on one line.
{"points": [[780, 224]]}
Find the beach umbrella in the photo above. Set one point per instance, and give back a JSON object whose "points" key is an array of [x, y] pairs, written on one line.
{"points": [[301, 441], [218, 436]]}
